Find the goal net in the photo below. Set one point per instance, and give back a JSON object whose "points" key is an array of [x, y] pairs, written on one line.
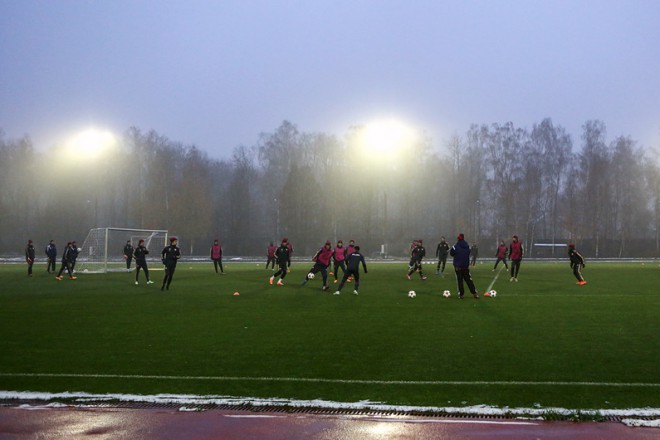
{"points": [[103, 249]]}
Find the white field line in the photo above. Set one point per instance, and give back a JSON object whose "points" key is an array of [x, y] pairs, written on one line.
{"points": [[490, 286], [569, 295], [334, 381]]}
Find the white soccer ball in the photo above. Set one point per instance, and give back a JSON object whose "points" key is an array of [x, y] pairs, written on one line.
{"points": [[493, 293], [412, 294], [446, 293], [310, 276]]}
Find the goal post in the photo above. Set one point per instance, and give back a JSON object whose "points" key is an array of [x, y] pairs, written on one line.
{"points": [[547, 250], [102, 250]]}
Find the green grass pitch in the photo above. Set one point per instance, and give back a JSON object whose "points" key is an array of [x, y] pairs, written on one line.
{"points": [[544, 341]]}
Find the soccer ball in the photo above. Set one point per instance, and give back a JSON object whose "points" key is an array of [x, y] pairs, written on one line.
{"points": [[310, 276], [493, 293], [412, 294], [446, 293]]}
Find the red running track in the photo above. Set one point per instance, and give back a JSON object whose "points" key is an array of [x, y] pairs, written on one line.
{"points": [[146, 424]]}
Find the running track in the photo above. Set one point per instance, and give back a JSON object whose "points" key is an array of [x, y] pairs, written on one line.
{"points": [[45, 422]]}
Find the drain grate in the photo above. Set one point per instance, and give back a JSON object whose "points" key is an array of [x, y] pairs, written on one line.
{"points": [[300, 410]]}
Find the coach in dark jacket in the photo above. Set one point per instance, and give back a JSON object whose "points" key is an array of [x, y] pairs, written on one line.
{"points": [[461, 253], [128, 255], [51, 252], [29, 256]]}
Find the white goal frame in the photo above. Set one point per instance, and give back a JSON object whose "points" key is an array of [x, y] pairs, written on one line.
{"points": [[96, 257]]}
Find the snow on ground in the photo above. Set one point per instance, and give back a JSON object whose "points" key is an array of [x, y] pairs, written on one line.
{"points": [[641, 423], [82, 398]]}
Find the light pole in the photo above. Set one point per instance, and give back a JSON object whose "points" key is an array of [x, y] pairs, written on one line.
{"points": [[384, 224], [383, 143], [89, 148], [277, 221], [478, 221]]}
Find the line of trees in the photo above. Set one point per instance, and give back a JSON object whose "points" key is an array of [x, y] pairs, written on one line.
{"points": [[492, 182]]}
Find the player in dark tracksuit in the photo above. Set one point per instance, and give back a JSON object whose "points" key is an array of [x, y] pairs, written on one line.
{"points": [[73, 255], [128, 254], [474, 254], [321, 263], [51, 253], [577, 264], [29, 256], [353, 270], [170, 256], [461, 253], [416, 256], [270, 255], [441, 253], [140, 254], [282, 256], [289, 246], [348, 251], [500, 255], [66, 263]]}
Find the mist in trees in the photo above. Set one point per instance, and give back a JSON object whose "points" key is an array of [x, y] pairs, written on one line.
{"points": [[494, 181]]}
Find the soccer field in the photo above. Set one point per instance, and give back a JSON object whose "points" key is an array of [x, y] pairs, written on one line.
{"points": [[544, 342]]}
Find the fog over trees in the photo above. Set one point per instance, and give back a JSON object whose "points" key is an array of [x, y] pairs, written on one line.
{"points": [[489, 183]]}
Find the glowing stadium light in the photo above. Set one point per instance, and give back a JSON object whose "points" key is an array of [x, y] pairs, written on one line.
{"points": [[387, 137], [90, 144]]}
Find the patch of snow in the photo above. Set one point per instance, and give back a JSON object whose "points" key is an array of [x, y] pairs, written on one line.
{"points": [[187, 399], [642, 423]]}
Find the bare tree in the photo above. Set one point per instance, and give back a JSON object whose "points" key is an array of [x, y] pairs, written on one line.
{"points": [[553, 145], [595, 197], [505, 148], [196, 193], [494, 181], [630, 208], [240, 194], [652, 173], [17, 180]]}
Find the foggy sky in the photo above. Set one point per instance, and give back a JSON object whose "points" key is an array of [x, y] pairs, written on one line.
{"points": [[217, 73]]}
